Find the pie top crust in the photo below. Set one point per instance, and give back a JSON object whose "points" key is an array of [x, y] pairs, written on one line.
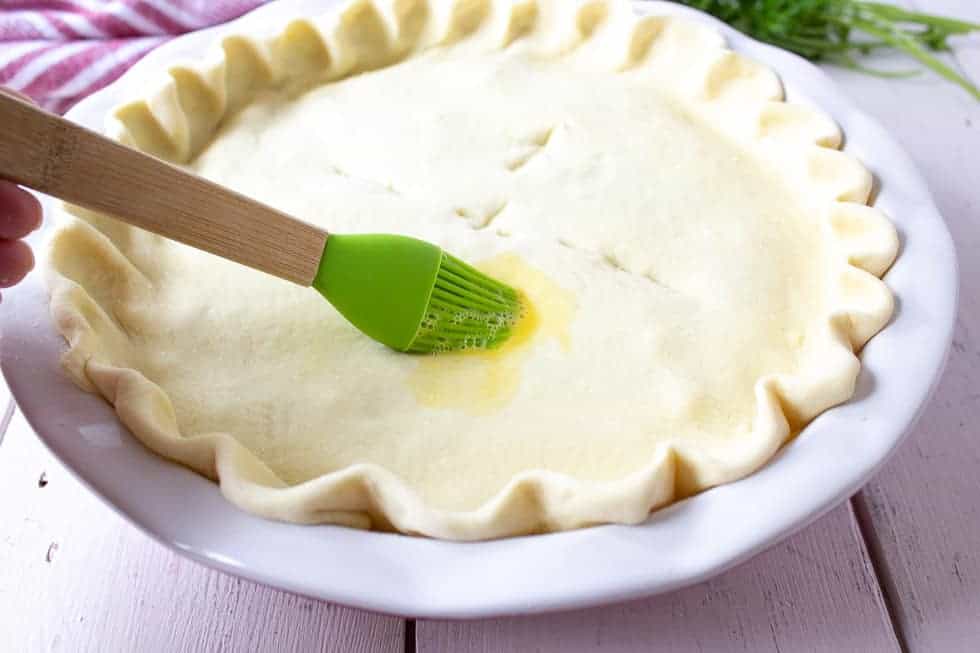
{"points": [[700, 258]]}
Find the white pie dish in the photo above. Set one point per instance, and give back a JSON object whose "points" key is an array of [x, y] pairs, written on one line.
{"points": [[830, 459]]}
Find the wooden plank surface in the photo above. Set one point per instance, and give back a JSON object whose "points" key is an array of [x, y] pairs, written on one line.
{"points": [[75, 577], [921, 510], [815, 592]]}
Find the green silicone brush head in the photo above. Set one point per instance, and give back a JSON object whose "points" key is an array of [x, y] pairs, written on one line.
{"points": [[410, 295], [467, 310]]}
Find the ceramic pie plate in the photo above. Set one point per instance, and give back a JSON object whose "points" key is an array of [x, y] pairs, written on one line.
{"points": [[682, 544]]}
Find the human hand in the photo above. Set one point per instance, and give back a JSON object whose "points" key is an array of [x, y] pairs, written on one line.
{"points": [[20, 214]]}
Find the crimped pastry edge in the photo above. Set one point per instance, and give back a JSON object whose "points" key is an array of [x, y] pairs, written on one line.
{"points": [[742, 98]]}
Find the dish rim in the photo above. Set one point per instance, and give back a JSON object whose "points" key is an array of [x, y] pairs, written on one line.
{"points": [[521, 574]]}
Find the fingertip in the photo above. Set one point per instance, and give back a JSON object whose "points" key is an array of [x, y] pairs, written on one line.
{"points": [[20, 211], [16, 261]]}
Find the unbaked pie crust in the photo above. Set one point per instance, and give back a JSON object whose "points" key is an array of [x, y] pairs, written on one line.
{"points": [[700, 258]]}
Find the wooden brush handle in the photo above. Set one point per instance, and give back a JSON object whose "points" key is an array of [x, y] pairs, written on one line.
{"points": [[59, 158]]}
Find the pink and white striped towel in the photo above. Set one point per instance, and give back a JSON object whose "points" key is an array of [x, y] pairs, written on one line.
{"points": [[59, 51]]}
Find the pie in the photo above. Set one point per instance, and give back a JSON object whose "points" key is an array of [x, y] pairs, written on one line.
{"points": [[699, 257]]}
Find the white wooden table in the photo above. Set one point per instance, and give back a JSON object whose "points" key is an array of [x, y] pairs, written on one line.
{"points": [[896, 568]]}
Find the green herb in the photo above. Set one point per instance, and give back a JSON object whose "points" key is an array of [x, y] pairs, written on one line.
{"points": [[842, 30]]}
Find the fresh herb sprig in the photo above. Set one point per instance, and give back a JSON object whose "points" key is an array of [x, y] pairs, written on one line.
{"points": [[842, 30]]}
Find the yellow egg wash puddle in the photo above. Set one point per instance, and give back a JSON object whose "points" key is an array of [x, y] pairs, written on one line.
{"points": [[483, 381]]}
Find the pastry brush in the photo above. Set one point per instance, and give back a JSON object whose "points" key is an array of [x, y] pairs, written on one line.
{"points": [[403, 292]]}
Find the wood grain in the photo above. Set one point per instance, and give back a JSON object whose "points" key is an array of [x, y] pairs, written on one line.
{"points": [[816, 592], [75, 577], [922, 512], [59, 158]]}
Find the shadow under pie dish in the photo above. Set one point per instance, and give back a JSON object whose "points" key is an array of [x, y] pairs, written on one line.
{"points": [[699, 258]]}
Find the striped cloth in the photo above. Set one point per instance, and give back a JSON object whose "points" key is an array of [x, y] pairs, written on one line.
{"points": [[59, 51]]}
